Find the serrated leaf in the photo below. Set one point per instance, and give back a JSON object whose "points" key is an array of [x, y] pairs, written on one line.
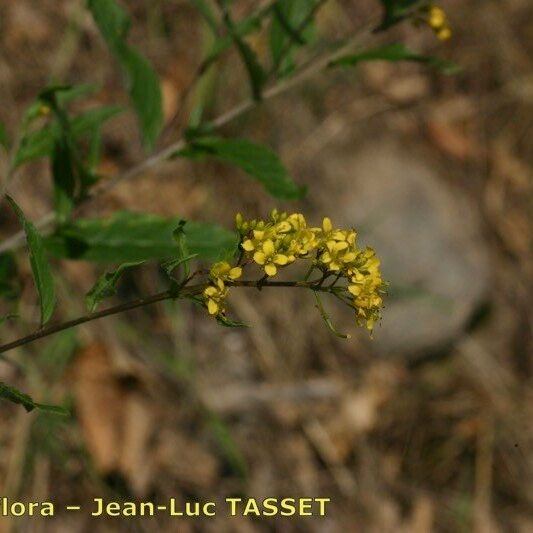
{"points": [[256, 160], [42, 273], [15, 396], [128, 236], [395, 53], [142, 81], [40, 143], [106, 285]]}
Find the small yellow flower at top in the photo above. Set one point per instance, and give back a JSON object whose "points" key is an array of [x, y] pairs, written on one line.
{"points": [[438, 21], [267, 257], [436, 17], [224, 271]]}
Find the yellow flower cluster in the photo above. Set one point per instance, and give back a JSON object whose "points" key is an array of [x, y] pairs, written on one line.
{"points": [[215, 294], [438, 21], [282, 239]]}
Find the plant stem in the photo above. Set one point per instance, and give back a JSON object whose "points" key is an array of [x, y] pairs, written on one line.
{"points": [[307, 71], [183, 292]]}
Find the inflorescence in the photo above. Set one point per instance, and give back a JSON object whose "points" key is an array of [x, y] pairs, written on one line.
{"points": [[348, 272], [437, 20]]}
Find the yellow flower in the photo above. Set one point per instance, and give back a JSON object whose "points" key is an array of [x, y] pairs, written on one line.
{"points": [[214, 297], [444, 33], [436, 17], [224, 271], [267, 257], [438, 21], [336, 254]]}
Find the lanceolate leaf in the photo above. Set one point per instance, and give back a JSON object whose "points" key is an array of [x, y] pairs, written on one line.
{"points": [[42, 274], [142, 81], [106, 285], [256, 160], [129, 236], [15, 396], [395, 53]]}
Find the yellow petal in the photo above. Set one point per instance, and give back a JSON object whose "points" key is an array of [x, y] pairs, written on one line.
{"points": [[260, 258], [210, 291], [271, 270], [248, 245], [235, 272], [444, 34], [327, 225], [354, 289], [259, 235], [280, 259], [268, 247], [212, 307], [348, 257]]}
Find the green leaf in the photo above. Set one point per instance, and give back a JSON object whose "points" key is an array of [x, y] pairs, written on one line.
{"points": [[145, 92], [40, 143], [128, 236], [106, 285], [15, 396], [42, 274], [64, 179], [256, 160], [207, 13], [395, 11], [171, 264], [69, 93], [241, 28], [255, 71], [9, 287], [290, 29], [395, 53], [142, 81]]}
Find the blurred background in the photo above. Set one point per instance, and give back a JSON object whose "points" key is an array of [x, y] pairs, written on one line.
{"points": [[427, 427]]}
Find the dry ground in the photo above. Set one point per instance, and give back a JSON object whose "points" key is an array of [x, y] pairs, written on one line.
{"points": [[428, 428]]}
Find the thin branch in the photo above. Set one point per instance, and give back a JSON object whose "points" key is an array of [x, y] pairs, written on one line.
{"points": [[184, 292], [307, 71]]}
